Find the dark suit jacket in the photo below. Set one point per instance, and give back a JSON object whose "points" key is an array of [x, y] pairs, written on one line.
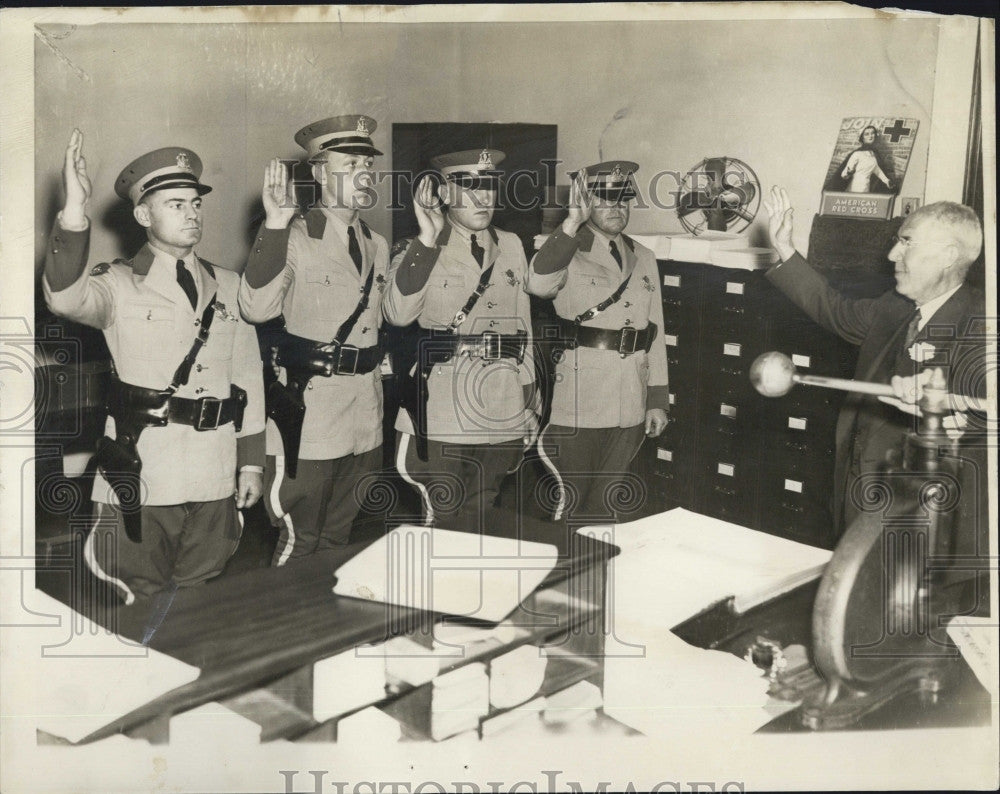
{"points": [[868, 429]]}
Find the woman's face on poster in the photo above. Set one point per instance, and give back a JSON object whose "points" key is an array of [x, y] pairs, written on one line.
{"points": [[868, 135]]}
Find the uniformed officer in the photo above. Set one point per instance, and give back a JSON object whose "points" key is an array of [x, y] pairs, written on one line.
{"points": [[611, 381], [193, 432], [471, 374], [325, 272]]}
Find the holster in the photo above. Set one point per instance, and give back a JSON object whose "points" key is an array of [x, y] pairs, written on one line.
{"points": [[118, 459], [285, 405]]}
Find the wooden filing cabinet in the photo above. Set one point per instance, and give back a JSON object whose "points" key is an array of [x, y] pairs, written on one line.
{"points": [[727, 451]]}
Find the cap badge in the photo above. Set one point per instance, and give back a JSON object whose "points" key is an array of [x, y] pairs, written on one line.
{"points": [[485, 161], [183, 161], [617, 175], [363, 126]]}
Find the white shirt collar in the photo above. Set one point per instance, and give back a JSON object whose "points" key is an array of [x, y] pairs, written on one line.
{"points": [[605, 239], [340, 226], [170, 262], [929, 309]]}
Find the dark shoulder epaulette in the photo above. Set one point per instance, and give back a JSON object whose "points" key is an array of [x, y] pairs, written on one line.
{"points": [[208, 266], [400, 246]]}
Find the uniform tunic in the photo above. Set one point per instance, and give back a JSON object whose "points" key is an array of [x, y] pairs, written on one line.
{"points": [[470, 401], [149, 326], [600, 388], [306, 273], [600, 397], [190, 525]]}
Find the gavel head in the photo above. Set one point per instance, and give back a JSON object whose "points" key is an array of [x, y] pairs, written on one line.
{"points": [[772, 374]]}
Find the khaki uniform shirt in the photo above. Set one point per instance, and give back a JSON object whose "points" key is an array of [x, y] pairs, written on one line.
{"points": [[600, 388], [149, 326], [469, 400], [316, 289]]}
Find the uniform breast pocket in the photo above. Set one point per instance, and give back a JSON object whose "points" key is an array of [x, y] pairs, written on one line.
{"points": [[147, 332], [221, 339], [446, 294], [589, 289]]}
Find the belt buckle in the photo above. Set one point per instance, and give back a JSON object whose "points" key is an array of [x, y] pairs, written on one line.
{"points": [[624, 348], [208, 408], [491, 346], [340, 369]]}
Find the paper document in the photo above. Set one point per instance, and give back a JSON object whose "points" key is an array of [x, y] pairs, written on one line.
{"points": [[111, 677], [439, 570]]}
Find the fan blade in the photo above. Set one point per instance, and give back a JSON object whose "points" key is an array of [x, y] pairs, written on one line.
{"points": [[716, 220], [715, 167], [693, 202]]}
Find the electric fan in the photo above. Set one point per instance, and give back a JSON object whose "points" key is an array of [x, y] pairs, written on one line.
{"points": [[720, 194]]}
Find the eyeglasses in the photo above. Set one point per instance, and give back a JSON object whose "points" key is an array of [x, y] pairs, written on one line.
{"points": [[907, 242]]}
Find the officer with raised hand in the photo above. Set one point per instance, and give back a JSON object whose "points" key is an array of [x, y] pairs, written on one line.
{"points": [[186, 426], [611, 380], [469, 377], [324, 272]]}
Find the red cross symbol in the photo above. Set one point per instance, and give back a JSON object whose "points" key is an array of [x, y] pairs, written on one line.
{"points": [[897, 131]]}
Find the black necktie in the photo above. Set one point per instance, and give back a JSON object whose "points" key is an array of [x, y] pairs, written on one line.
{"points": [[614, 253], [913, 329], [477, 252], [353, 248], [186, 280]]}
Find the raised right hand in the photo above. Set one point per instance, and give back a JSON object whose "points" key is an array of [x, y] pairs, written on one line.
{"points": [[427, 208], [279, 202], [75, 181], [581, 203], [779, 222]]}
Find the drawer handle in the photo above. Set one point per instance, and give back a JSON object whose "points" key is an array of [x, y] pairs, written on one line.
{"points": [[734, 309], [796, 446], [731, 371], [724, 491], [792, 507]]}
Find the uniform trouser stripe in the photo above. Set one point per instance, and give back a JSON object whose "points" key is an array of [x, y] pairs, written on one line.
{"points": [[404, 445], [279, 476], [90, 557], [547, 462]]}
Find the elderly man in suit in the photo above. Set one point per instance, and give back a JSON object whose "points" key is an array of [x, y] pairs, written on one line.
{"points": [[186, 398], [926, 321]]}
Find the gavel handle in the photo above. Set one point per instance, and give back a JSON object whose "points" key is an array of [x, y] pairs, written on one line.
{"points": [[958, 402], [857, 386]]}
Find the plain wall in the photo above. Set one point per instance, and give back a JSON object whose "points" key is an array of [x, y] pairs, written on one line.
{"points": [[769, 93]]}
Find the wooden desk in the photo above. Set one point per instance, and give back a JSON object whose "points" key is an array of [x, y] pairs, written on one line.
{"points": [[248, 631]]}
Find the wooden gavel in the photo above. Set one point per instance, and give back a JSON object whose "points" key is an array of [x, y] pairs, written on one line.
{"points": [[773, 375]]}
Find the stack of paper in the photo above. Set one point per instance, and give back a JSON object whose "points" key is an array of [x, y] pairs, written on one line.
{"points": [[976, 640], [367, 727], [95, 676], [410, 662], [700, 247], [516, 676], [744, 258], [518, 718], [347, 681], [674, 687], [573, 703], [671, 567], [458, 700], [439, 570], [212, 724]]}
